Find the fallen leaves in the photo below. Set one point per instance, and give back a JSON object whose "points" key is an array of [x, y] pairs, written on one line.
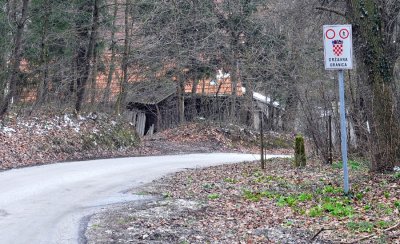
{"points": [[251, 200]]}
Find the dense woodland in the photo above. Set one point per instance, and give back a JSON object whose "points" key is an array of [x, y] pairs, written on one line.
{"points": [[81, 55]]}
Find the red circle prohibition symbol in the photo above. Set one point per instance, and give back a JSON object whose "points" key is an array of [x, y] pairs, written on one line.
{"points": [[330, 34], [344, 33]]}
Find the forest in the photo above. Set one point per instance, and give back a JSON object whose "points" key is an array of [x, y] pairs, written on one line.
{"points": [[89, 55]]}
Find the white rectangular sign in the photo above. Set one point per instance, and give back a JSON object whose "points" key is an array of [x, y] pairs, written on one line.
{"points": [[338, 47]]}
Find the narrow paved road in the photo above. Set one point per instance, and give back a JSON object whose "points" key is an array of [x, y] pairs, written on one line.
{"points": [[46, 204]]}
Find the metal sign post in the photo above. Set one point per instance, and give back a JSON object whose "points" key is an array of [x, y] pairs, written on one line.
{"points": [[338, 52], [343, 131]]}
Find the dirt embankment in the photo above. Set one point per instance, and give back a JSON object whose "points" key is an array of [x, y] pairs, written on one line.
{"points": [[33, 141], [42, 140]]}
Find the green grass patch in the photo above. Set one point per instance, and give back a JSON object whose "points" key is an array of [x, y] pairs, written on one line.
{"points": [[257, 196], [383, 224], [334, 206], [386, 194], [368, 227], [213, 196], [338, 209], [352, 164], [252, 196], [288, 223], [361, 226], [303, 197], [359, 196], [367, 207], [316, 211], [230, 180], [331, 190], [397, 204], [290, 201], [258, 174], [269, 194], [383, 208]]}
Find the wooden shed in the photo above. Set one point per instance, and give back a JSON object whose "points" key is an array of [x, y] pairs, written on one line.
{"points": [[150, 106]]}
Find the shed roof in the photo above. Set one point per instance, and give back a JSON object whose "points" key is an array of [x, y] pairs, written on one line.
{"points": [[150, 93]]}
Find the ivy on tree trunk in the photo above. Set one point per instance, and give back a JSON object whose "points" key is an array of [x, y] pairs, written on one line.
{"points": [[375, 56]]}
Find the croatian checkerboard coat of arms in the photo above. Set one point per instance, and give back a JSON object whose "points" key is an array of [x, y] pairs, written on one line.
{"points": [[337, 47]]}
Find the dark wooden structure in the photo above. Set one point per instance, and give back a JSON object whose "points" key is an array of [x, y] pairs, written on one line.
{"points": [[152, 106]]}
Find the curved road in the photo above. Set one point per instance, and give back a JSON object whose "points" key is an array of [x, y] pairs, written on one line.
{"points": [[46, 204]]}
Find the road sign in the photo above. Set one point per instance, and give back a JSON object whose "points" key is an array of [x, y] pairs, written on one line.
{"points": [[338, 47], [343, 132], [338, 50]]}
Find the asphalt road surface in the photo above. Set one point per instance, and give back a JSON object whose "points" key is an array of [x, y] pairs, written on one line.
{"points": [[47, 204]]}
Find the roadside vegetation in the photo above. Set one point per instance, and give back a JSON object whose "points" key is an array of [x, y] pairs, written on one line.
{"points": [[309, 199]]}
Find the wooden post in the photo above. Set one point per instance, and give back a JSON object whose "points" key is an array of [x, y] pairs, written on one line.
{"points": [[262, 141]]}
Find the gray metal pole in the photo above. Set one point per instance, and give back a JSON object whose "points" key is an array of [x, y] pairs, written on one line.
{"points": [[343, 131]]}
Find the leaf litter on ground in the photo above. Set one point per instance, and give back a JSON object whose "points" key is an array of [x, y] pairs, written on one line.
{"points": [[241, 203]]}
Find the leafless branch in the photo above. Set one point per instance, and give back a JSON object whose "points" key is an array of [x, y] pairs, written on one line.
{"points": [[319, 232], [335, 11]]}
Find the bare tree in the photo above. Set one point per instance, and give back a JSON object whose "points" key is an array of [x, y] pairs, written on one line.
{"points": [[84, 53], [113, 48], [375, 27], [15, 55]]}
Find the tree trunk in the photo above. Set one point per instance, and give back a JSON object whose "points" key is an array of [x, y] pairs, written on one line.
{"points": [[181, 101], [84, 55], [193, 106], [159, 118], [375, 56], [289, 116], [248, 105], [71, 92], [93, 84], [15, 61], [107, 92], [125, 76], [234, 82], [42, 90]]}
